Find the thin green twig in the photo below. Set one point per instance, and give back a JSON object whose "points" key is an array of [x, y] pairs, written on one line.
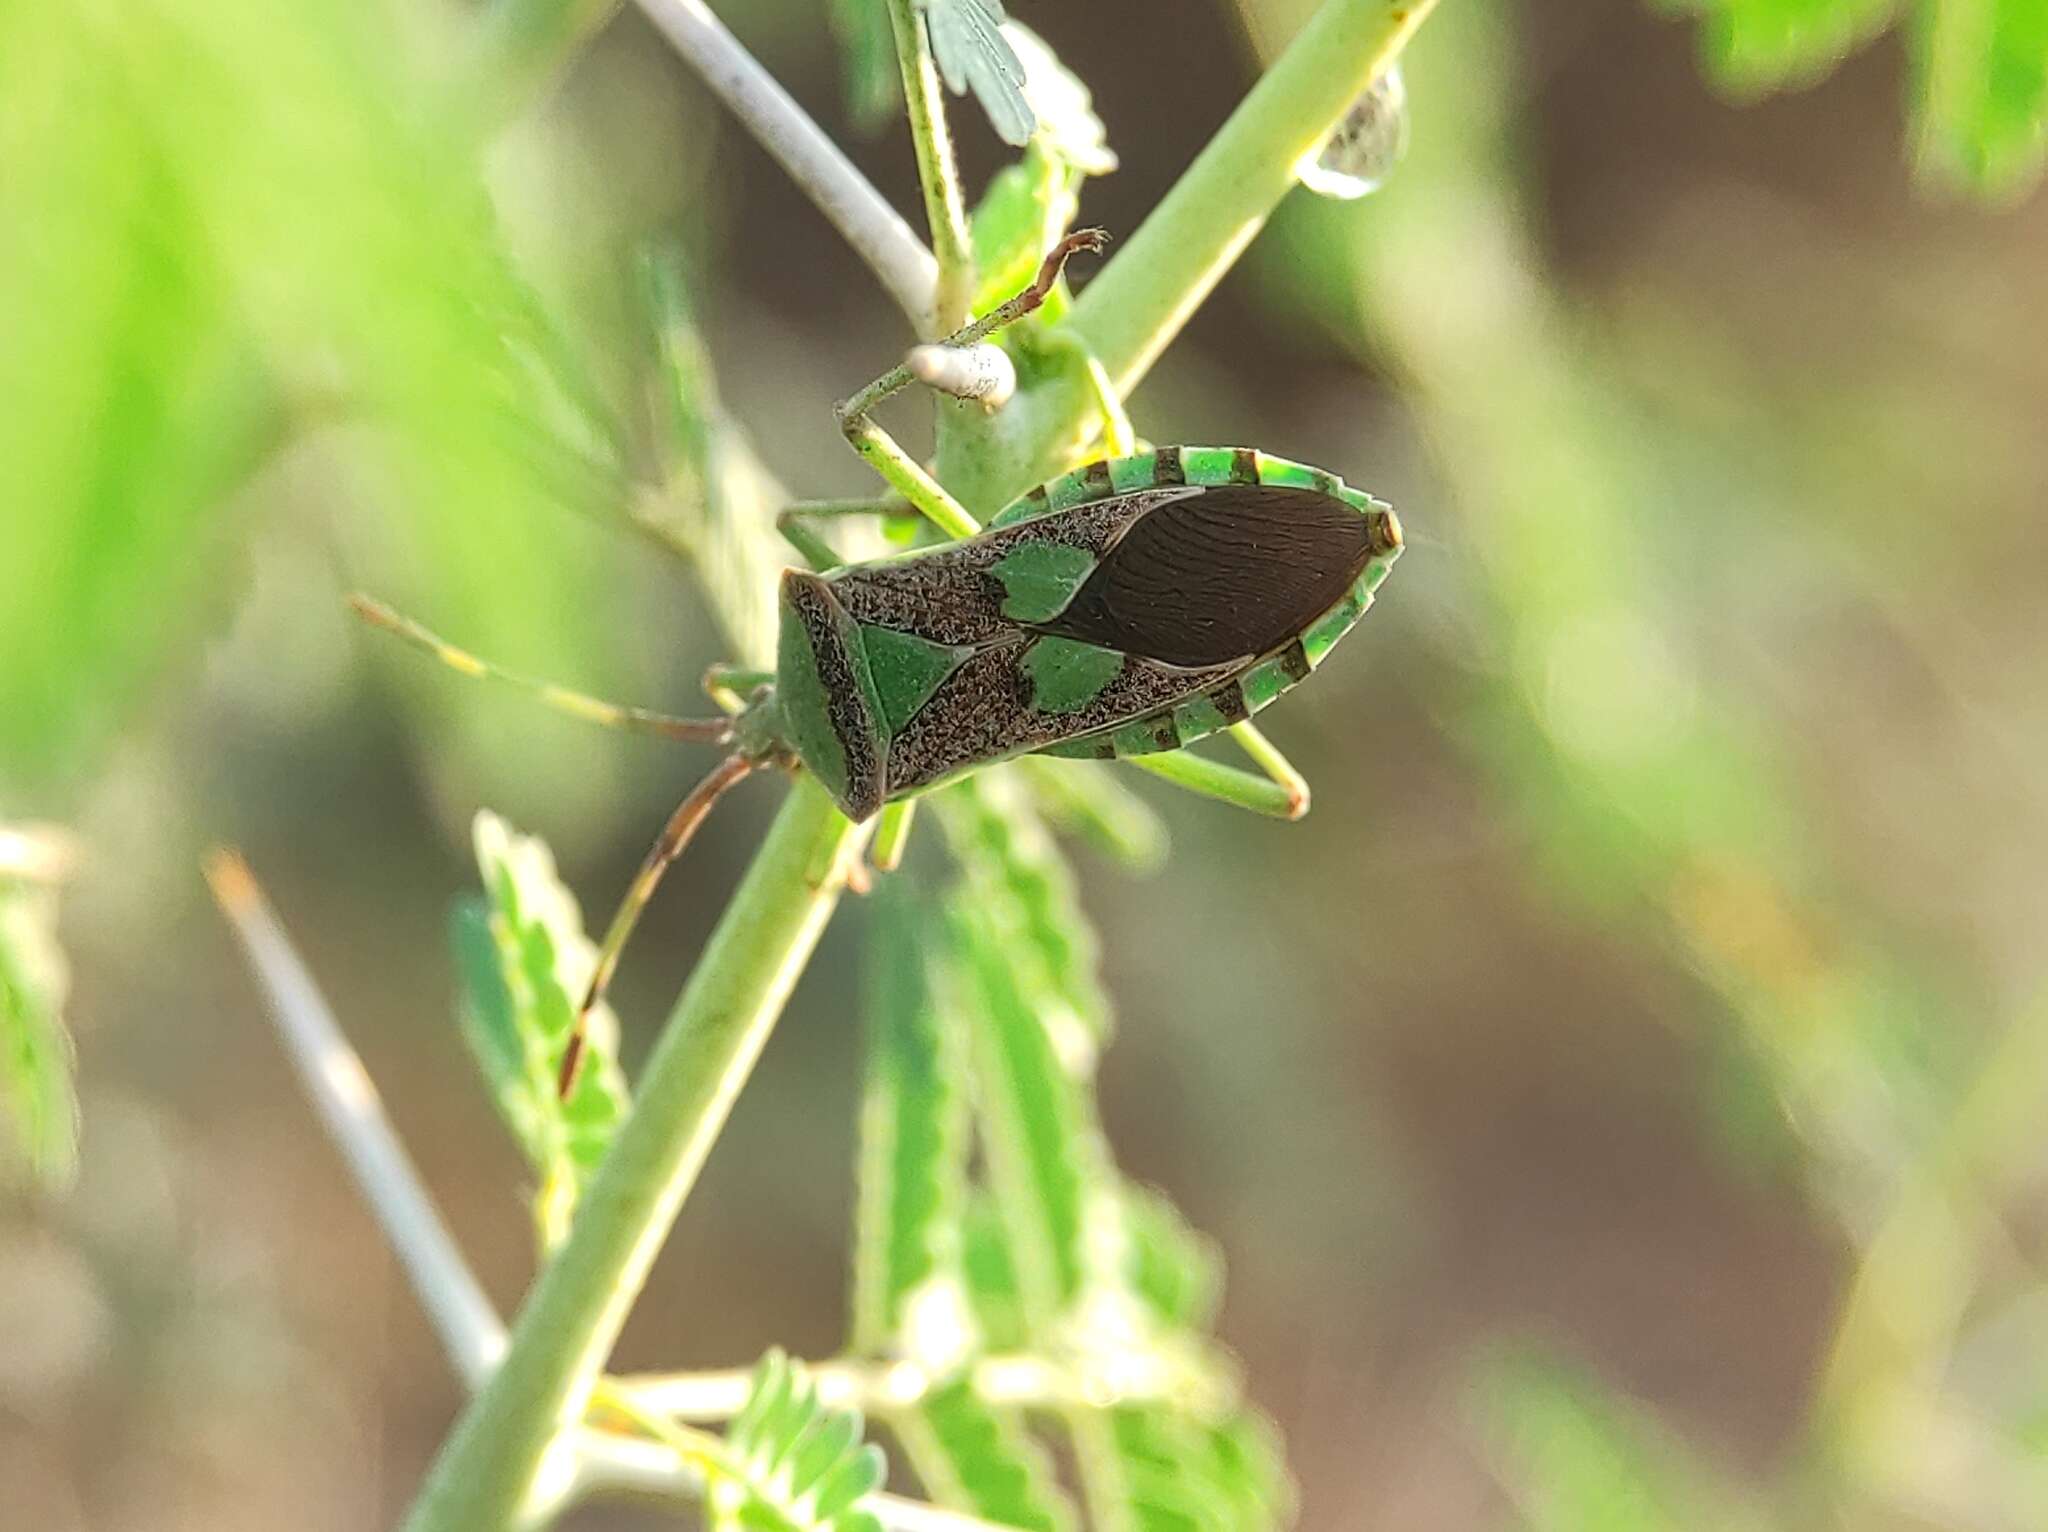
{"points": [[1142, 298], [944, 205]]}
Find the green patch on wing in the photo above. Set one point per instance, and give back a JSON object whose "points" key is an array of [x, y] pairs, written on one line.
{"points": [[1067, 675], [906, 670], [1039, 579]]}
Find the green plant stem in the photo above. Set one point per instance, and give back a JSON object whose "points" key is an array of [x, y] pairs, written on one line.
{"points": [[1159, 277], [489, 1470], [487, 1474], [671, 1467], [944, 205]]}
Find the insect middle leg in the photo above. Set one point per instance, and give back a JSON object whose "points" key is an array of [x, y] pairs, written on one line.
{"points": [[798, 529], [1276, 790], [902, 472]]}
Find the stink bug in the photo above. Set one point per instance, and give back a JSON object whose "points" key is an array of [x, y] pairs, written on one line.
{"points": [[1129, 607], [1125, 609]]}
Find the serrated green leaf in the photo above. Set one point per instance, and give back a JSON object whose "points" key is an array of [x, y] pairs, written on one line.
{"points": [[909, 1295], [1016, 874], [993, 1291], [791, 1465], [1045, 1151], [491, 1027], [1172, 1269], [1172, 1473], [524, 963], [982, 1461], [867, 60], [1249, 1457], [36, 1093], [972, 54]]}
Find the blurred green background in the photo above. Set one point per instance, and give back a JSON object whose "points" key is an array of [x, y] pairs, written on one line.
{"points": [[1622, 1094]]}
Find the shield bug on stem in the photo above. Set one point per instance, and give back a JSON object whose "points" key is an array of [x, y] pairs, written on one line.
{"points": [[1126, 609]]}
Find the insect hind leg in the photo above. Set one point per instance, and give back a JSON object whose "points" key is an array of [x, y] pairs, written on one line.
{"points": [[675, 835]]}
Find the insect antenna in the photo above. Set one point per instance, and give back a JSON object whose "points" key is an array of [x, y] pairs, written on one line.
{"points": [[711, 731], [675, 835]]}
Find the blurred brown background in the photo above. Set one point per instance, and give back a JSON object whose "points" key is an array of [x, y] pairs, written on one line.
{"points": [[1674, 855]]}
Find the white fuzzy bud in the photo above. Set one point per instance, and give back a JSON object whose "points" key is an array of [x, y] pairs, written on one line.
{"points": [[980, 372]]}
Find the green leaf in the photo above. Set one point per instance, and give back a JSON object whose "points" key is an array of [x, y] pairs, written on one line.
{"points": [[1089, 800], [1045, 1151], [524, 964], [185, 310], [972, 54], [1016, 875], [1025, 211], [1155, 1469], [1757, 45], [132, 407], [1172, 1268], [992, 1285], [35, 1049], [790, 1465], [1980, 79], [867, 54], [909, 1291], [1981, 87], [974, 1458]]}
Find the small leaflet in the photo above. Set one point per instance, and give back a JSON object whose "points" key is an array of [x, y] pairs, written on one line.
{"points": [[972, 54]]}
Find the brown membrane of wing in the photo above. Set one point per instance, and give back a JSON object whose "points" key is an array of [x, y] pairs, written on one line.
{"points": [[1231, 573]]}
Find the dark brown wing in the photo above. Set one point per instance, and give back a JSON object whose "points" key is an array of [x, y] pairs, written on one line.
{"points": [[1228, 573]]}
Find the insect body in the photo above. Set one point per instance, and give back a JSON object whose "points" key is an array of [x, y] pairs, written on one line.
{"points": [[1129, 607]]}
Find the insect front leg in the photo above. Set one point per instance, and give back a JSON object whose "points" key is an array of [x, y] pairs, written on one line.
{"points": [[732, 687], [611, 715], [902, 472], [1277, 790]]}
